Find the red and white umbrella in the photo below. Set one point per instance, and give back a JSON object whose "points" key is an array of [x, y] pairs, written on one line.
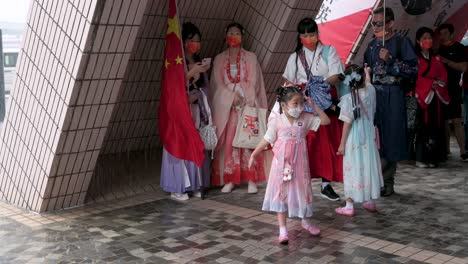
{"points": [[341, 21]]}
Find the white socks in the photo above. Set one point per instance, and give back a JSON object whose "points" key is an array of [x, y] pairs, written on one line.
{"points": [[325, 184], [283, 230], [349, 205], [305, 222]]}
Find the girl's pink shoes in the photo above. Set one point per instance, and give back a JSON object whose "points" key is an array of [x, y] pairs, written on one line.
{"points": [[371, 207], [344, 211], [312, 229], [283, 239]]}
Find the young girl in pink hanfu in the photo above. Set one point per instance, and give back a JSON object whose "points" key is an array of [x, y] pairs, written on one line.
{"points": [[362, 173], [288, 191]]}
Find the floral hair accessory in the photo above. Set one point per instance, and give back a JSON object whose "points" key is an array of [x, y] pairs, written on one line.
{"points": [[353, 77]]}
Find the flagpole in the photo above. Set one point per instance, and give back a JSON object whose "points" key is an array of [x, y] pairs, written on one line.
{"points": [[384, 22], [200, 176], [183, 49], [176, 126]]}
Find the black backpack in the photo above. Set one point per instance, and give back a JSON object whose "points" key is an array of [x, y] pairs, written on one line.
{"points": [[416, 7]]}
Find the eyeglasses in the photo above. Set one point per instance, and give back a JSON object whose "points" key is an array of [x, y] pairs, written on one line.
{"points": [[378, 23], [234, 33]]}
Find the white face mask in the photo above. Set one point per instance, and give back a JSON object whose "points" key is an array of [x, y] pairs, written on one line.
{"points": [[295, 112]]}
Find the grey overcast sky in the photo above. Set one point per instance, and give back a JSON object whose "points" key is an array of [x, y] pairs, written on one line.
{"points": [[14, 10]]}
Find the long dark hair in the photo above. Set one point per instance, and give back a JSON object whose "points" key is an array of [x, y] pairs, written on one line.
{"points": [[354, 86], [284, 94], [305, 25], [359, 70], [189, 31], [421, 31]]}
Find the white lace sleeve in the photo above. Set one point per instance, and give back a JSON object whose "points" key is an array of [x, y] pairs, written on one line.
{"points": [[334, 63], [346, 112], [290, 71], [312, 122], [272, 128]]}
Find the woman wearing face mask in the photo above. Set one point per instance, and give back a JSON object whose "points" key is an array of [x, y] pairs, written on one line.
{"points": [[237, 80], [432, 94], [312, 59], [180, 177]]}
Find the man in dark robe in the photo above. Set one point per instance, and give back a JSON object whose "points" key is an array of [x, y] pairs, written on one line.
{"points": [[393, 62]]}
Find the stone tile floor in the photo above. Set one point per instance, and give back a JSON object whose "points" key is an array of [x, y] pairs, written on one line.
{"points": [[424, 222]]}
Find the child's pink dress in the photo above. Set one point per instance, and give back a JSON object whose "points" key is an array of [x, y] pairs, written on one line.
{"points": [[293, 196]]}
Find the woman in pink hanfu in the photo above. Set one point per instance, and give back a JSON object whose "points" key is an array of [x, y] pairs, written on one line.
{"points": [[236, 81]]}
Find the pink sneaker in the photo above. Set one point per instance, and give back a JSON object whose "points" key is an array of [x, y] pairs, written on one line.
{"points": [[283, 239], [344, 211], [371, 207], [312, 229]]}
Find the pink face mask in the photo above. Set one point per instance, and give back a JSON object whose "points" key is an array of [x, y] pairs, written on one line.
{"points": [[193, 47], [309, 42], [233, 41], [426, 44]]}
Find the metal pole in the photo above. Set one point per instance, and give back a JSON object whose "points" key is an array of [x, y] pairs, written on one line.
{"points": [[384, 22]]}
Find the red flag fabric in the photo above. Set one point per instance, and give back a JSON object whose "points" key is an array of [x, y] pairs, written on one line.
{"points": [[176, 127]]}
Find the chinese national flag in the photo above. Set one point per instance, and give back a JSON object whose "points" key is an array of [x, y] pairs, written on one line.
{"points": [[176, 128]]}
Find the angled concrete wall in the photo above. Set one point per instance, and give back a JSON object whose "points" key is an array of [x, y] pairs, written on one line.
{"points": [[88, 80]]}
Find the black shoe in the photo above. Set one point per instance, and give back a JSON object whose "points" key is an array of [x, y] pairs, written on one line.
{"points": [[387, 191], [329, 193]]}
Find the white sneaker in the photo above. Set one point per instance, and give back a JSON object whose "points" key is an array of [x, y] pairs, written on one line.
{"points": [[180, 196], [228, 188], [252, 187], [421, 164], [197, 194]]}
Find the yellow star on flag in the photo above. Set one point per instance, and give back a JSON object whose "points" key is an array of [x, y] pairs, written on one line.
{"points": [[173, 26], [178, 60], [166, 64]]}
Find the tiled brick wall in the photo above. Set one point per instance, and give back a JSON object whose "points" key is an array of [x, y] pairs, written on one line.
{"points": [[271, 34], [104, 62], [46, 76], [134, 123], [88, 85], [68, 76]]}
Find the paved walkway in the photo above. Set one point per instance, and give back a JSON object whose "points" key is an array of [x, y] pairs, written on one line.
{"points": [[424, 222]]}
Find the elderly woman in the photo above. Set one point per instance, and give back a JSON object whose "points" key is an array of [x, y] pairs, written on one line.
{"points": [[236, 81]]}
